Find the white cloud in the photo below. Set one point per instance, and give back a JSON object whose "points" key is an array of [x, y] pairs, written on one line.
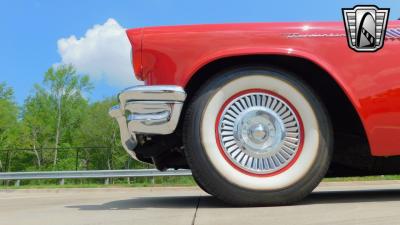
{"points": [[103, 53]]}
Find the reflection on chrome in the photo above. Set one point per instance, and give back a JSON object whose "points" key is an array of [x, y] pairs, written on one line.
{"points": [[147, 110]]}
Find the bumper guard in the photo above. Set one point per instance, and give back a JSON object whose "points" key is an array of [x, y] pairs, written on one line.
{"points": [[147, 110]]}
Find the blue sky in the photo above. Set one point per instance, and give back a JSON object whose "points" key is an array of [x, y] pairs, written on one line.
{"points": [[30, 29]]}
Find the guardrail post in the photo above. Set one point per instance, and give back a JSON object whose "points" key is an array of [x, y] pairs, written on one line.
{"points": [[62, 182], [17, 183], [76, 159], [107, 181], [7, 166]]}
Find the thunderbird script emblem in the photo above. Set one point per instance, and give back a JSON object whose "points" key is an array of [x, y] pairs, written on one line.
{"points": [[365, 27]]}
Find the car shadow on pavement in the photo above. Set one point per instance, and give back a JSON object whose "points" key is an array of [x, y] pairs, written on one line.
{"points": [[353, 196], [144, 202], [206, 201]]}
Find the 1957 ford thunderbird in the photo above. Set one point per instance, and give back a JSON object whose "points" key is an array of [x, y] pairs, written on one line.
{"points": [[261, 112]]}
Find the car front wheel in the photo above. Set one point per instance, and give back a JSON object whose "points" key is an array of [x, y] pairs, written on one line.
{"points": [[257, 136]]}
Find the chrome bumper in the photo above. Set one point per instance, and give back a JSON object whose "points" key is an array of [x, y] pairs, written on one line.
{"points": [[147, 110]]}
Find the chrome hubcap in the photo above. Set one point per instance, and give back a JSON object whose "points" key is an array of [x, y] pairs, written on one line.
{"points": [[259, 132]]}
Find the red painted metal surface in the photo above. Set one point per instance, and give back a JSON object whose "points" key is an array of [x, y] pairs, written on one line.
{"points": [[171, 55], [135, 38]]}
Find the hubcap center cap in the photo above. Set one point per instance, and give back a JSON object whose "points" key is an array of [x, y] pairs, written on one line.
{"points": [[258, 130], [258, 133]]}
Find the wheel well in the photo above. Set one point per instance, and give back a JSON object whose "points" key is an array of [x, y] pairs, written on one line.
{"points": [[345, 120]]}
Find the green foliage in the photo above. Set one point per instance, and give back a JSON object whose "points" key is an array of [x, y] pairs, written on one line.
{"points": [[98, 129], [6, 93], [8, 122], [56, 118], [65, 89], [8, 112]]}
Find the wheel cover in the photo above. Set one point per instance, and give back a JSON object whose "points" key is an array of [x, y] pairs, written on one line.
{"points": [[259, 132]]}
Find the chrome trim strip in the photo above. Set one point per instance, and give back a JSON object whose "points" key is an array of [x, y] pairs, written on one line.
{"points": [[156, 92], [151, 118], [152, 123]]}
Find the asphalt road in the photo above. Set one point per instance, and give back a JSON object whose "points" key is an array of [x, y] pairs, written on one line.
{"points": [[331, 203]]}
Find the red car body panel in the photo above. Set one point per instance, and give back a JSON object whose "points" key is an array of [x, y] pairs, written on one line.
{"points": [[371, 81]]}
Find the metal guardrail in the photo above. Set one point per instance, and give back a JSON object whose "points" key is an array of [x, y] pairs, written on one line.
{"points": [[92, 174]]}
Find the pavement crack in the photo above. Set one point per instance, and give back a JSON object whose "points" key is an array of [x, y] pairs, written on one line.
{"points": [[195, 212]]}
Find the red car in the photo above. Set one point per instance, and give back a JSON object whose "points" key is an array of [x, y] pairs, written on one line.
{"points": [[261, 112]]}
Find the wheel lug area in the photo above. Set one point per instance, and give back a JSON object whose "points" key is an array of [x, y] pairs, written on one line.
{"points": [[258, 132]]}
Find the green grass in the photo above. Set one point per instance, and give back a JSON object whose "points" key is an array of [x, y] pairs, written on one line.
{"points": [[181, 181], [367, 178]]}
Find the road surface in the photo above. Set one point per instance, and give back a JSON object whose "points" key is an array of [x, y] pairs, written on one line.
{"points": [[331, 203]]}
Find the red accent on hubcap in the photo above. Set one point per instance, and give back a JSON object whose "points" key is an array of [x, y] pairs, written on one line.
{"points": [[298, 152]]}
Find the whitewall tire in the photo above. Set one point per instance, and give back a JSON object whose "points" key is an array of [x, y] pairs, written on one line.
{"points": [[257, 135]]}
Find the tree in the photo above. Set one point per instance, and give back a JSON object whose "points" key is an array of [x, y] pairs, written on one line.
{"points": [[65, 89], [37, 122], [6, 93], [8, 118], [99, 129], [57, 114]]}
